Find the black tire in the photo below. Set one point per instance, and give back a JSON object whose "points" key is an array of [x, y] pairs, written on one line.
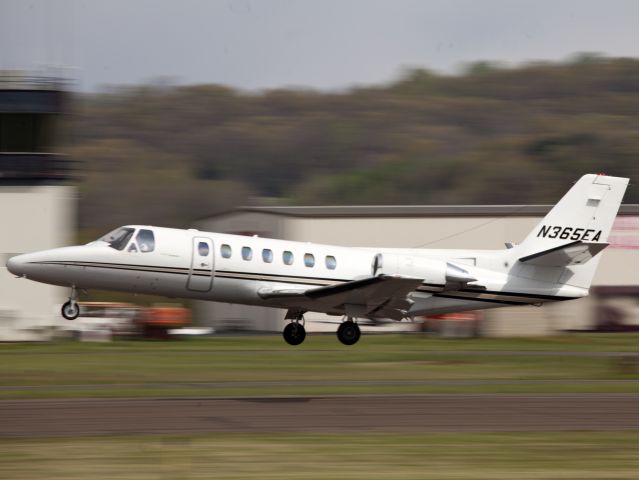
{"points": [[70, 311], [348, 333], [294, 333]]}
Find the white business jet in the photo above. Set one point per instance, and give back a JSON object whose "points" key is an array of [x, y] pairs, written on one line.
{"points": [[555, 262]]}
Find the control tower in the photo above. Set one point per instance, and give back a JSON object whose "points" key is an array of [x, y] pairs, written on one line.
{"points": [[37, 200]]}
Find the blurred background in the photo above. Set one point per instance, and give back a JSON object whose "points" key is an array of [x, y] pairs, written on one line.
{"points": [[222, 115], [440, 124]]}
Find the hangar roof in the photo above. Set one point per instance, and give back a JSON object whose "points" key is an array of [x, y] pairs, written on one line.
{"points": [[409, 211]]}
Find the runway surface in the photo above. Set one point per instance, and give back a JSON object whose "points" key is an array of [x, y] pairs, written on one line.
{"points": [[405, 413]]}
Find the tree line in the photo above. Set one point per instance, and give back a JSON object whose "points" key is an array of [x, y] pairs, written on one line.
{"points": [[490, 135]]}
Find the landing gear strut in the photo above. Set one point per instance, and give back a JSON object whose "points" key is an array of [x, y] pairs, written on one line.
{"points": [[295, 333], [71, 309], [348, 332]]}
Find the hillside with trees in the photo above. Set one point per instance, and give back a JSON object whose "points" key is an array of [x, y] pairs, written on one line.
{"points": [[492, 135]]}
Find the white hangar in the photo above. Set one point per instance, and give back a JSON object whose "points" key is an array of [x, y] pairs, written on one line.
{"points": [[611, 306]]}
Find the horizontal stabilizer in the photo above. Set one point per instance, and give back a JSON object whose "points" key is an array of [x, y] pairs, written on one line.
{"points": [[573, 253]]}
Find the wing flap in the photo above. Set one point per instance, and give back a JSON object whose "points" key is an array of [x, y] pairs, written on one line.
{"points": [[370, 294], [269, 293], [573, 253]]}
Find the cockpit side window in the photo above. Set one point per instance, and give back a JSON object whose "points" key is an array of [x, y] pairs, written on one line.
{"points": [[119, 237], [145, 240]]}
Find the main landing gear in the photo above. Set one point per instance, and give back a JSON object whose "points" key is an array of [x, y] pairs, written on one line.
{"points": [[71, 309], [294, 333], [348, 332]]}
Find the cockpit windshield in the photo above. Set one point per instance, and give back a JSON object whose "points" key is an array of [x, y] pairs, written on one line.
{"points": [[119, 237]]}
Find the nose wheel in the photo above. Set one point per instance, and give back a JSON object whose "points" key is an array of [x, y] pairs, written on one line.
{"points": [[348, 332], [71, 309]]}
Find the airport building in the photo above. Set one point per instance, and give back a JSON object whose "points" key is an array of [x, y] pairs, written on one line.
{"points": [[612, 306], [37, 203]]}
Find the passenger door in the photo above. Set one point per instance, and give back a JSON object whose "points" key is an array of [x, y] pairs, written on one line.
{"points": [[201, 274]]}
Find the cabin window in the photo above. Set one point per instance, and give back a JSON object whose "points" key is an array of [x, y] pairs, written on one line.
{"points": [[247, 253], [226, 251], [309, 259], [145, 240], [203, 249], [118, 238], [287, 257], [331, 263], [267, 255]]}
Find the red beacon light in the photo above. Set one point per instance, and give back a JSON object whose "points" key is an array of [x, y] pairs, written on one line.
{"points": [[602, 174]]}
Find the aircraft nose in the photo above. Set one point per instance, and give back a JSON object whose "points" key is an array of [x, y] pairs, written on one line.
{"points": [[16, 265]]}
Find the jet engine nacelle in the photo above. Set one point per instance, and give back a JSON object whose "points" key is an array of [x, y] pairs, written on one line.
{"points": [[430, 270]]}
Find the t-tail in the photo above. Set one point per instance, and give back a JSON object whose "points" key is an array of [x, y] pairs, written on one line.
{"points": [[567, 242]]}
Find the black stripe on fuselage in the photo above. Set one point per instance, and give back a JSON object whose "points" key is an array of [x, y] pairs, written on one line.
{"points": [[466, 293], [121, 266], [517, 294], [292, 276], [434, 288], [186, 270], [477, 299], [282, 279]]}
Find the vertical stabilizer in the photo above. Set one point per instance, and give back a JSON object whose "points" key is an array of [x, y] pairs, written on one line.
{"points": [[584, 214]]}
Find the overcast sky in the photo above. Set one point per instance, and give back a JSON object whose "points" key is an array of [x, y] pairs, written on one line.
{"points": [[324, 44]]}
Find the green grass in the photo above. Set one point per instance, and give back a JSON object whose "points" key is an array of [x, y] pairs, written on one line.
{"points": [[264, 365], [580, 455]]}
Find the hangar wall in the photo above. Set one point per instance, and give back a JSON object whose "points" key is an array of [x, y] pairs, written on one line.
{"points": [[33, 218]]}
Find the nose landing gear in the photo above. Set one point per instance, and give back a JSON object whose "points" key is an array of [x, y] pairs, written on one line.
{"points": [[71, 309], [348, 332]]}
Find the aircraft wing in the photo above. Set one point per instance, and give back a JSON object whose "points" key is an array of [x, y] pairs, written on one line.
{"points": [[383, 295], [573, 253]]}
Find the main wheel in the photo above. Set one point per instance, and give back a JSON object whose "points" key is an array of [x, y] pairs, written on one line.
{"points": [[70, 311], [294, 333], [348, 333]]}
